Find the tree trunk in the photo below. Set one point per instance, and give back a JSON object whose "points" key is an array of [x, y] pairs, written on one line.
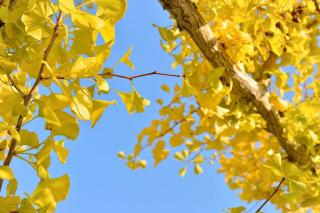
{"points": [[188, 18]]}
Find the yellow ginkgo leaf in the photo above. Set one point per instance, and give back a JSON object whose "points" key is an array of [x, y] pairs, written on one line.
{"points": [[6, 173], [103, 86], [98, 107], [126, 59], [61, 151], [133, 101]]}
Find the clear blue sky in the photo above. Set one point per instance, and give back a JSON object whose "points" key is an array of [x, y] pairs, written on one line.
{"points": [[100, 182]]}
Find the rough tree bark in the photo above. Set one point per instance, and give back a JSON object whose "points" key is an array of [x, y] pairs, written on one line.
{"points": [[188, 18]]}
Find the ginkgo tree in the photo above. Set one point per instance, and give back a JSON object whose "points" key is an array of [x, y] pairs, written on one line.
{"points": [[248, 97]]}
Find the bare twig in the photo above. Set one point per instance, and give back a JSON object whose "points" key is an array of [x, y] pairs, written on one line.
{"points": [[28, 97], [271, 195], [130, 78]]}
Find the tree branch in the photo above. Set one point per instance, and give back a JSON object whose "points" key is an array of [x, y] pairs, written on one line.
{"points": [[130, 78], [271, 195], [15, 86], [28, 97], [188, 18], [316, 4]]}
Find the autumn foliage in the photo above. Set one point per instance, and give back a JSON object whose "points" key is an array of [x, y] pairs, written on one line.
{"points": [[248, 97]]}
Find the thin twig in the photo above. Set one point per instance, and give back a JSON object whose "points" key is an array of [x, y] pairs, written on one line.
{"points": [[130, 78], [271, 195], [15, 86], [28, 97]]}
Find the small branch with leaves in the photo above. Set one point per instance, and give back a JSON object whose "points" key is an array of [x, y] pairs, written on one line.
{"points": [[28, 96], [271, 195]]}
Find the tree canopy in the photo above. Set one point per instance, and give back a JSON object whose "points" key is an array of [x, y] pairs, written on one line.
{"points": [[248, 97]]}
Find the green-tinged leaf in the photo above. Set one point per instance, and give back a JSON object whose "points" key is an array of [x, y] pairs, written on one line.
{"points": [[6, 66], [296, 186], [9, 204], [26, 207], [12, 187], [28, 138]]}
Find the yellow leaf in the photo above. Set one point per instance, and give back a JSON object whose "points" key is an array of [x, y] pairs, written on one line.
{"points": [[179, 156], [98, 107], [103, 86], [48, 114], [14, 134], [121, 155], [12, 187], [45, 150], [278, 103], [56, 101], [165, 88], [197, 169], [133, 101], [176, 140], [126, 59], [43, 172], [81, 104], [80, 18], [183, 172], [28, 138], [69, 127], [6, 66], [61, 151], [143, 163], [159, 101], [159, 153], [199, 159], [113, 9], [9, 204], [51, 191], [35, 19], [26, 207], [6, 173]]}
